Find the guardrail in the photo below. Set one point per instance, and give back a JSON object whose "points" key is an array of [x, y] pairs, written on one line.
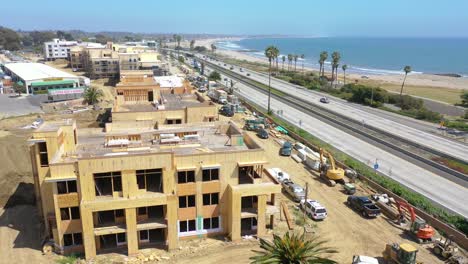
{"points": [[457, 236]]}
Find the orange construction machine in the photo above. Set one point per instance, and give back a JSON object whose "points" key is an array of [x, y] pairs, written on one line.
{"points": [[419, 229]]}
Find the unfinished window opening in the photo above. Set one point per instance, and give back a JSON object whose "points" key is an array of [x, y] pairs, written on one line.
{"points": [[211, 223], [187, 226], [186, 201], [112, 240], [249, 202], [247, 174], [185, 176], [210, 198], [44, 159], [64, 187], [73, 239], [107, 183], [70, 213], [211, 174], [152, 212], [150, 180]]}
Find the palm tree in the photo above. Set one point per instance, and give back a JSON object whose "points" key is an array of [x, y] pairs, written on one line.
{"points": [[295, 61], [292, 249], [192, 44], [174, 37], [270, 53], [323, 58], [283, 58], [344, 67], [290, 59], [276, 53], [335, 63], [213, 48], [407, 70], [92, 95], [302, 59], [178, 39]]}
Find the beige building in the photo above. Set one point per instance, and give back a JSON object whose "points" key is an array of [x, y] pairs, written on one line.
{"points": [[122, 191], [101, 63]]}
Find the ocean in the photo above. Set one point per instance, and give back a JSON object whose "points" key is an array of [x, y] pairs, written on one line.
{"points": [[369, 55]]}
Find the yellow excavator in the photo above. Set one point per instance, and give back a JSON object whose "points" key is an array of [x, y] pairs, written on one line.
{"points": [[400, 254], [330, 172]]}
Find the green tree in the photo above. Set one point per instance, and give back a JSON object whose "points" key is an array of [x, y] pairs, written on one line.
{"points": [[323, 58], [92, 95], [192, 44], [39, 37], [178, 39], [295, 249], [464, 98], [283, 58], [214, 76], [181, 59], [407, 70], [275, 54], [174, 38], [9, 39], [344, 68], [64, 35], [335, 63], [290, 59], [103, 39], [213, 48], [271, 53]]}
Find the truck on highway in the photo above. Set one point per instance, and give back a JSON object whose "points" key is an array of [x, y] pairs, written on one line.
{"points": [[363, 205], [218, 95]]}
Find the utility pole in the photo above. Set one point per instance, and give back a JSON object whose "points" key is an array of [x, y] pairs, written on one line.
{"points": [[306, 194]]}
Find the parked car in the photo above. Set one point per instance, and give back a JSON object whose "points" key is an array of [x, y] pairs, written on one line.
{"points": [[226, 111], [324, 100], [231, 68], [278, 174], [313, 209], [248, 74], [202, 89], [262, 133], [286, 149], [294, 190], [363, 205]]}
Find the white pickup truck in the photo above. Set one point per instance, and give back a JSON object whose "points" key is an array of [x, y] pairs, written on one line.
{"points": [[364, 260]]}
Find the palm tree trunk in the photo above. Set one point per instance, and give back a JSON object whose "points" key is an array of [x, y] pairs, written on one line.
{"points": [[344, 77], [269, 86], [402, 85], [277, 65], [282, 67]]}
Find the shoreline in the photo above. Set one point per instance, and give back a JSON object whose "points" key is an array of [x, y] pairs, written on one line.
{"points": [[440, 80]]}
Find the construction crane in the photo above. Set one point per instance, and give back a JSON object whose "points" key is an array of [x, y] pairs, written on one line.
{"points": [[330, 172], [419, 229], [400, 254]]}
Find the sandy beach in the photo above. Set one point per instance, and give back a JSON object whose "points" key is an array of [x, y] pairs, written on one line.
{"points": [[425, 85]]}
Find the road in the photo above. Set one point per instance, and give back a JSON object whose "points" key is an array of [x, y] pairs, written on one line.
{"points": [[441, 191], [410, 129]]}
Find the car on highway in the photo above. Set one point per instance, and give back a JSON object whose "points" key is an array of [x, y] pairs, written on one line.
{"points": [[278, 174], [248, 74], [262, 133], [294, 190], [313, 209], [324, 100], [286, 149], [231, 68], [363, 205], [241, 70]]}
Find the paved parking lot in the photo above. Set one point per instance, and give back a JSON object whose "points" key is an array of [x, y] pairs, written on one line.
{"points": [[16, 106]]}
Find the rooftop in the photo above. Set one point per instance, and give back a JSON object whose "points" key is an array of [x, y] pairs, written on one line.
{"points": [[30, 71], [169, 81], [170, 102], [178, 139]]}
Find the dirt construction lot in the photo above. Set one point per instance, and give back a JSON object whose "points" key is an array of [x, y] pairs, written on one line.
{"points": [[344, 229]]}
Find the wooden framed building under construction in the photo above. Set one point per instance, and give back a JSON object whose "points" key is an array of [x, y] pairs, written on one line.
{"points": [[129, 189]]}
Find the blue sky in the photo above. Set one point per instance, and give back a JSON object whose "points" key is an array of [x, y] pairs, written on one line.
{"points": [[381, 18]]}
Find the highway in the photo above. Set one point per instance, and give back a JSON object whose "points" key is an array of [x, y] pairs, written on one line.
{"points": [[413, 130], [438, 189]]}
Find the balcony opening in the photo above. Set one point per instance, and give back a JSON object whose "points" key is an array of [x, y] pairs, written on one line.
{"points": [[249, 203], [248, 226], [107, 183], [150, 180], [247, 174], [64, 187], [112, 241], [152, 236], [109, 218]]}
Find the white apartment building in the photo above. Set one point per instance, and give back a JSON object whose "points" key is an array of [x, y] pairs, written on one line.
{"points": [[58, 49]]}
